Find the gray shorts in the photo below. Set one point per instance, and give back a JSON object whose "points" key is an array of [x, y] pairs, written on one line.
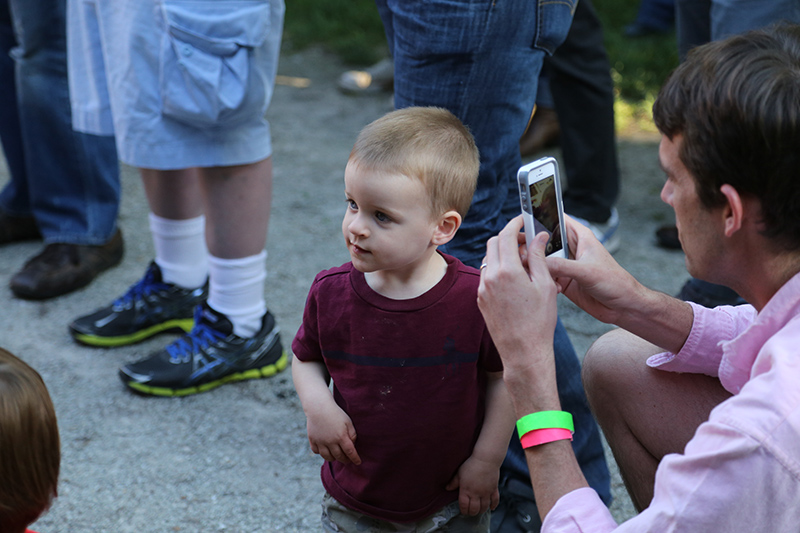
{"points": [[336, 518], [181, 83]]}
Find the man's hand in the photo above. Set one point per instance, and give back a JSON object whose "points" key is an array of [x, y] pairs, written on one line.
{"points": [[518, 304], [476, 481], [593, 280], [332, 435]]}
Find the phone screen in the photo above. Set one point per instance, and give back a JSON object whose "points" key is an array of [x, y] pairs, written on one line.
{"points": [[545, 212]]}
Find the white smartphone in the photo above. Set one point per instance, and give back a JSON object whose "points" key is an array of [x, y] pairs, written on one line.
{"points": [[542, 208]]}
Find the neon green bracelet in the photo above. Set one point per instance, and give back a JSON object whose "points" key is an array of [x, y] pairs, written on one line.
{"points": [[545, 420]]}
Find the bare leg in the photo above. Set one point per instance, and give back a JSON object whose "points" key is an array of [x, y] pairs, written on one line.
{"points": [[173, 194], [238, 203], [645, 413]]}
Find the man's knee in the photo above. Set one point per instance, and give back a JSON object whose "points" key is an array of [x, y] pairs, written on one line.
{"points": [[598, 364], [612, 364]]}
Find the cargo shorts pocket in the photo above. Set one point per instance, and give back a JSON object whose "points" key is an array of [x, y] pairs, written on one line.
{"points": [[207, 75], [552, 23]]}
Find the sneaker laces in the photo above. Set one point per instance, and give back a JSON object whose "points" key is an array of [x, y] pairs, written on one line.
{"points": [[201, 336], [140, 289]]}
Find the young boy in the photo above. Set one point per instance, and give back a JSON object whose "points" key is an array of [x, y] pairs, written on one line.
{"points": [[419, 408], [30, 449]]}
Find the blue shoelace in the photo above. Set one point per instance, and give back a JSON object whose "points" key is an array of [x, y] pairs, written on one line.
{"points": [[141, 288], [201, 336]]}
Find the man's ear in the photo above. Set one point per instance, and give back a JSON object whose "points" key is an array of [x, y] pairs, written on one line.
{"points": [[446, 228], [733, 211]]}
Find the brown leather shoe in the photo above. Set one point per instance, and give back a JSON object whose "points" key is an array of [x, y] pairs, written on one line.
{"points": [[61, 268], [543, 132], [15, 229]]}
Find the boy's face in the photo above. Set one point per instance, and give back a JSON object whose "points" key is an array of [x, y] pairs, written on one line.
{"points": [[388, 223]]}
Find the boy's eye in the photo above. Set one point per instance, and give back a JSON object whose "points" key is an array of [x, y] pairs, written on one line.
{"points": [[352, 204], [382, 217]]}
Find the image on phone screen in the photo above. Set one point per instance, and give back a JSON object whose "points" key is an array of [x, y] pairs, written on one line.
{"points": [[545, 212]]}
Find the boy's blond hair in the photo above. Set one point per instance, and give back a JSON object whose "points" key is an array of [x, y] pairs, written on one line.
{"points": [[426, 143], [30, 449]]}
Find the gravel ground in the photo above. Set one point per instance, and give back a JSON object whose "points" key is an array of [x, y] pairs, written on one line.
{"points": [[236, 459]]}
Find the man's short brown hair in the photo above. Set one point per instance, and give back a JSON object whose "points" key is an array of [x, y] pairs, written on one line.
{"points": [[736, 104]]}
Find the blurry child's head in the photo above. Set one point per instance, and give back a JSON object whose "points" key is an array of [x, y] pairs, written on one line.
{"points": [[30, 450], [428, 144]]}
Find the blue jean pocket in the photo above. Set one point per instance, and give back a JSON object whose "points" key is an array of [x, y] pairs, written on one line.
{"points": [[207, 76], [552, 23]]}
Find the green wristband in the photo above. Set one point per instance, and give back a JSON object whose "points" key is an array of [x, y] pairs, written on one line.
{"points": [[545, 420]]}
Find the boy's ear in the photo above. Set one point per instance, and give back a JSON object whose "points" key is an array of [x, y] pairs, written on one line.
{"points": [[446, 228]]}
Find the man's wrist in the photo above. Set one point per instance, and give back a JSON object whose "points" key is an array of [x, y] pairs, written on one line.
{"points": [[660, 319], [532, 391]]}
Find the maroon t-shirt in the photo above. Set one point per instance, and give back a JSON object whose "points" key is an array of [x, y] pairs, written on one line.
{"points": [[411, 374]]}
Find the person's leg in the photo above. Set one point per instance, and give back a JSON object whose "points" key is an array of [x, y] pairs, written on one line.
{"points": [[187, 134], [173, 194], [729, 17], [645, 413], [693, 24], [73, 178], [238, 205], [236, 202], [14, 196], [477, 60], [177, 225], [656, 15], [174, 284], [16, 220], [234, 337], [583, 94]]}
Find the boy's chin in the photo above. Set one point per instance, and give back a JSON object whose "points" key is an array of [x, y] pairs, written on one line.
{"points": [[360, 266]]}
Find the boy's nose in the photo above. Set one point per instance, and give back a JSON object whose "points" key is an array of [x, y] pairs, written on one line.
{"points": [[357, 227]]}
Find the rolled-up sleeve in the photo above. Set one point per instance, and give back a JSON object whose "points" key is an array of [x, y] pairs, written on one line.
{"points": [[581, 510], [702, 352]]}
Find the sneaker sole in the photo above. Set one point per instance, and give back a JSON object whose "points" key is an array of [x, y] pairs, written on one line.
{"points": [[253, 373], [184, 324]]}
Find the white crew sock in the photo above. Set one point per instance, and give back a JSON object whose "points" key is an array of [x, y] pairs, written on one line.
{"points": [[181, 251], [236, 289]]}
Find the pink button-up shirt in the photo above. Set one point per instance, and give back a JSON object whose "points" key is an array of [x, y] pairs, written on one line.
{"points": [[741, 470]]}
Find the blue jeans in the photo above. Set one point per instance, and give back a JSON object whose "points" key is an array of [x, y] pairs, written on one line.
{"points": [[68, 181], [702, 21], [481, 60], [657, 14]]}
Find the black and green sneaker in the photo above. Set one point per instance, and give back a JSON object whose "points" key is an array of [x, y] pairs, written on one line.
{"points": [[149, 307], [208, 356]]}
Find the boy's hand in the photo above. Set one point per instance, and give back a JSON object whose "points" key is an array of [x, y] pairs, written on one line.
{"points": [[477, 482], [332, 435]]}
